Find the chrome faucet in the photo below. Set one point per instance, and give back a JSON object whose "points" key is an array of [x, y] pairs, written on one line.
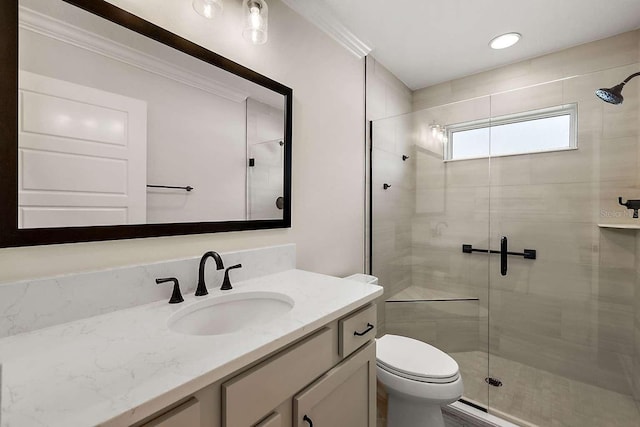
{"points": [[202, 287]]}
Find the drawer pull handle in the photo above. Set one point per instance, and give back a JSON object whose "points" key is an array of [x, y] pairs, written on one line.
{"points": [[359, 334], [307, 419]]}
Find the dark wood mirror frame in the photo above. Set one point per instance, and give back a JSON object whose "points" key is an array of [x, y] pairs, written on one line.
{"points": [[12, 236]]}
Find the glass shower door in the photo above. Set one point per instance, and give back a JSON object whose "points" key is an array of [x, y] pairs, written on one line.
{"points": [[561, 323], [265, 183], [425, 207]]}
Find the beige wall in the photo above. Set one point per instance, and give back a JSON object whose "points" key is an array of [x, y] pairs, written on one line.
{"points": [[587, 58], [328, 155], [571, 311]]}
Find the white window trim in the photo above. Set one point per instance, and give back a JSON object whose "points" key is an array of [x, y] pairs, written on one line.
{"points": [[560, 110]]}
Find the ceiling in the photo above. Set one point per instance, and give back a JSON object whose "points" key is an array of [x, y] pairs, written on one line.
{"points": [[425, 42]]}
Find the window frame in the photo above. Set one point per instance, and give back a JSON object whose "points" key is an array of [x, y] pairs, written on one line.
{"points": [[570, 109]]}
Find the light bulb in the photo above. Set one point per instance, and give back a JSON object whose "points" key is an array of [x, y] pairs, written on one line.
{"points": [[207, 8], [435, 130], [255, 18]]}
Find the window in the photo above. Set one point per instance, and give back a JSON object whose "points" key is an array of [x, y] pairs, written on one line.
{"points": [[539, 131]]}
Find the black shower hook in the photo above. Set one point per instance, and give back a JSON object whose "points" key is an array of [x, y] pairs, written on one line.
{"points": [[631, 204]]}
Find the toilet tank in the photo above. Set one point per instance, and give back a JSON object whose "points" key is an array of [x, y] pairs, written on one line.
{"points": [[364, 278]]}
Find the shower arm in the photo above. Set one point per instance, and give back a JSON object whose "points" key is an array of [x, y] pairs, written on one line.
{"points": [[630, 77]]}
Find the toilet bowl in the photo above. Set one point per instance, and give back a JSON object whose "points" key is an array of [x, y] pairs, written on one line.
{"points": [[419, 379]]}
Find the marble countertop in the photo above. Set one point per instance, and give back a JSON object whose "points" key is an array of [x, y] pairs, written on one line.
{"points": [[118, 368]]}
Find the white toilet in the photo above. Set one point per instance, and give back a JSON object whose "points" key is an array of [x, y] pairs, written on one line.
{"points": [[419, 379]]}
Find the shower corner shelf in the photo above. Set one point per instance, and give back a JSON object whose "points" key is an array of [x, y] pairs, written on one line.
{"points": [[423, 294], [621, 226]]}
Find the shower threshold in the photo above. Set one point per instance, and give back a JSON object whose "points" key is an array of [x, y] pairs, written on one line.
{"points": [[466, 414]]}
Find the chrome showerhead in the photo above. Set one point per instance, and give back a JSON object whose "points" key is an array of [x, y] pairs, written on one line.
{"points": [[614, 95]]}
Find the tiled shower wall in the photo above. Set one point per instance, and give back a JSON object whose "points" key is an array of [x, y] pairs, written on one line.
{"points": [[386, 97], [572, 310]]}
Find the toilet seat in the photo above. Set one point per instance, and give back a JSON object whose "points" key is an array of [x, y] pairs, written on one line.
{"points": [[420, 378], [415, 360]]}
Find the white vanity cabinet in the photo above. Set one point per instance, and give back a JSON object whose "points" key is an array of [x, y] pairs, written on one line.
{"points": [[327, 379]]}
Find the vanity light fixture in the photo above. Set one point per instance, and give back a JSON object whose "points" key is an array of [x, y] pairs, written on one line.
{"points": [[208, 8], [505, 40], [256, 14], [435, 129]]}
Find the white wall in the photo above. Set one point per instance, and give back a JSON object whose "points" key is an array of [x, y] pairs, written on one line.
{"points": [[328, 155]]}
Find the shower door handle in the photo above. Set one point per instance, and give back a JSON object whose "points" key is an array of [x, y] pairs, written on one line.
{"points": [[503, 255]]}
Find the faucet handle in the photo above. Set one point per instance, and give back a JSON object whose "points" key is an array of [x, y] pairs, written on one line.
{"points": [[176, 296], [226, 283]]}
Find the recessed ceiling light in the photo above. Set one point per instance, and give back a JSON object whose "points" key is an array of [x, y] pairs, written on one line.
{"points": [[505, 40]]}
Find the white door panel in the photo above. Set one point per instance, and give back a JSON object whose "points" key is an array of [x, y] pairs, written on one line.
{"points": [[53, 199], [71, 217], [82, 154], [60, 172], [52, 115], [58, 144]]}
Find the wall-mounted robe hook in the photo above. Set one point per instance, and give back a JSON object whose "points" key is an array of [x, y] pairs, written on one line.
{"points": [[631, 204], [404, 157], [385, 186]]}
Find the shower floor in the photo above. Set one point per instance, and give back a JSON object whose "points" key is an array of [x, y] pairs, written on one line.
{"points": [[531, 396]]}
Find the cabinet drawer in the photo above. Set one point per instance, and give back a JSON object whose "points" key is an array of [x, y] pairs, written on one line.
{"points": [[356, 330], [187, 414], [247, 398], [273, 420]]}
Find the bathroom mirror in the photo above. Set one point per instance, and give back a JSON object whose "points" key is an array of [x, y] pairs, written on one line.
{"points": [[121, 129]]}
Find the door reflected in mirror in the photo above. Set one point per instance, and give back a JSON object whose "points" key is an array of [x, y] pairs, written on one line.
{"points": [[118, 129]]}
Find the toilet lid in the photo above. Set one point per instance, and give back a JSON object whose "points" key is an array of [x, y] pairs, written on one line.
{"points": [[415, 359]]}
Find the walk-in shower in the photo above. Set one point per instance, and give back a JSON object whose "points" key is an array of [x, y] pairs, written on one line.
{"points": [[500, 241]]}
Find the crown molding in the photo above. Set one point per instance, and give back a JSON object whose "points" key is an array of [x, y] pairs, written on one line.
{"points": [[47, 26], [319, 15]]}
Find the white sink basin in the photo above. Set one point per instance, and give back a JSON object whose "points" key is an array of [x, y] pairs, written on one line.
{"points": [[229, 313]]}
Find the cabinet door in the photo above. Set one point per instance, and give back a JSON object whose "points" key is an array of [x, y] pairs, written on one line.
{"points": [[343, 397]]}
